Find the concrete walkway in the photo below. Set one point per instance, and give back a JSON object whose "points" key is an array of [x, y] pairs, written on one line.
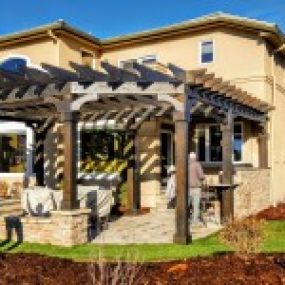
{"points": [[155, 227]]}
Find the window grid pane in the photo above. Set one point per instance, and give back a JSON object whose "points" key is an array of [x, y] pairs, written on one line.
{"points": [[207, 52], [12, 153], [214, 152]]}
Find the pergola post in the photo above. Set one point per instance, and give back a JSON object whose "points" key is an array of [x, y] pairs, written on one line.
{"points": [[69, 121], [182, 234], [40, 136], [133, 175], [263, 148], [227, 167]]}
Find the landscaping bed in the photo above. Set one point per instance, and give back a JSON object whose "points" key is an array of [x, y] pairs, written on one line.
{"points": [[223, 269], [273, 213]]}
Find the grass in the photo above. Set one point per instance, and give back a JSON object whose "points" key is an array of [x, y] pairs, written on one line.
{"points": [[275, 242]]}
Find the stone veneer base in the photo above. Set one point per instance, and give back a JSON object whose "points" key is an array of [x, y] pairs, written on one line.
{"points": [[63, 228]]}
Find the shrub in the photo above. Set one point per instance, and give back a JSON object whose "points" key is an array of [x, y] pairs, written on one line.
{"points": [[244, 236]]}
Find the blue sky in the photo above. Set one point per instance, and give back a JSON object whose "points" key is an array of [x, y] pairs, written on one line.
{"points": [[107, 18]]}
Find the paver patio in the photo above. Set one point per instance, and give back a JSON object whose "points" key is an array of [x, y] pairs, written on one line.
{"points": [[157, 227]]}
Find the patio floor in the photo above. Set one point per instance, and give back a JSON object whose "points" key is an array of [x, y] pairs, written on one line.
{"points": [[156, 227]]}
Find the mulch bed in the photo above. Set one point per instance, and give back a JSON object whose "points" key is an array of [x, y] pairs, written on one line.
{"points": [[273, 213], [33, 269]]}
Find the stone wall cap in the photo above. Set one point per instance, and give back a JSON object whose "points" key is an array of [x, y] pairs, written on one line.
{"points": [[76, 212]]}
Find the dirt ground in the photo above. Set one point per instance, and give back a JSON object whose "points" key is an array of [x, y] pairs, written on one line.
{"points": [[24, 269]]}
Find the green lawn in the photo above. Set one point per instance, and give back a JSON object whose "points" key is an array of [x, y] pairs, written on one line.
{"points": [[275, 242]]}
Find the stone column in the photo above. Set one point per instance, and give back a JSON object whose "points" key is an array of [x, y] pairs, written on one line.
{"points": [[69, 121], [182, 235]]}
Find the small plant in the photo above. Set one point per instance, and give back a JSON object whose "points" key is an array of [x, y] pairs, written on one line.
{"points": [[124, 270], [244, 236]]}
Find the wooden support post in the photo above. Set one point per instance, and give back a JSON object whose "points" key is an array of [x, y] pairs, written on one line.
{"points": [[263, 148], [69, 201], [182, 234], [39, 156], [133, 179], [227, 192]]}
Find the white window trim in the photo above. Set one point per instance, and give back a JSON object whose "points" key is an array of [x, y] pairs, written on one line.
{"points": [[138, 59], [200, 51], [207, 143], [25, 57]]}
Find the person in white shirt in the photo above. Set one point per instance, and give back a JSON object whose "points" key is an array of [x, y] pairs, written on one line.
{"points": [[170, 189]]}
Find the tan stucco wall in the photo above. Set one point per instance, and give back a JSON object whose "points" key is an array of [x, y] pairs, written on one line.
{"points": [[149, 146], [275, 88], [70, 50], [239, 56], [39, 51]]}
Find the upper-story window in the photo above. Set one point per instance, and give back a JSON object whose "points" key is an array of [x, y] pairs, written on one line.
{"points": [[127, 64], [207, 51], [14, 64], [148, 59]]}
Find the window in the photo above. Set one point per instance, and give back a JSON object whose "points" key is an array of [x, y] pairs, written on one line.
{"points": [[12, 152], [148, 59], [14, 65], [87, 59], [207, 52], [209, 143], [237, 143], [128, 63]]}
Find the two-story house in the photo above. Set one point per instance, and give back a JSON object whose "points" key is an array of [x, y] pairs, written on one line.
{"points": [[245, 52]]}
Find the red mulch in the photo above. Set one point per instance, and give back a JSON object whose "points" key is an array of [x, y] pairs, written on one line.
{"points": [[123, 211], [24, 269], [273, 213]]}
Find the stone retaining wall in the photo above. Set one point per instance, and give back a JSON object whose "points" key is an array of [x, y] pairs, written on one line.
{"points": [[64, 228], [253, 191]]}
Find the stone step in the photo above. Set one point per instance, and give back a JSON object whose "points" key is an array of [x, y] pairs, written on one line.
{"points": [[7, 202], [164, 209], [10, 207]]}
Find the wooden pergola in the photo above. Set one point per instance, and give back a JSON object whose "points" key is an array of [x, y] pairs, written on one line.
{"points": [[130, 97]]}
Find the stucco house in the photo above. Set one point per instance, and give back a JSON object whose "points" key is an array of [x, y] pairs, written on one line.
{"points": [[245, 52]]}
